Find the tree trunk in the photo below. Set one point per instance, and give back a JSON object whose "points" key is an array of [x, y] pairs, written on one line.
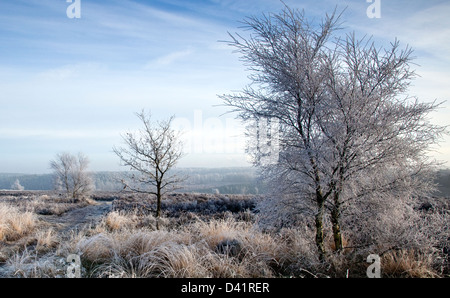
{"points": [[319, 227], [335, 218], [158, 204]]}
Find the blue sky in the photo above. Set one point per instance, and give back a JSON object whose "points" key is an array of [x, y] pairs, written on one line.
{"points": [[75, 84]]}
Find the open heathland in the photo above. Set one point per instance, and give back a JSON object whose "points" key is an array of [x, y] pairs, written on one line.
{"points": [[199, 235]]}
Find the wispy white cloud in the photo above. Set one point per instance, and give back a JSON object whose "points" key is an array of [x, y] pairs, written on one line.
{"points": [[169, 59], [425, 29], [429, 30], [70, 71]]}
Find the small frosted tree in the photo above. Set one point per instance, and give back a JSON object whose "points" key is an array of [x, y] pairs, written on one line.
{"points": [[347, 129], [151, 153], [71, 175], [16, 185]]}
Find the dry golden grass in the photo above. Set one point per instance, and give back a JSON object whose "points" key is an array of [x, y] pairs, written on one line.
{"points": [[118, 220], [14, 224], [127, 244], [216, 231], [188, 252], [407, 263], [28, 264], [46, 239]]}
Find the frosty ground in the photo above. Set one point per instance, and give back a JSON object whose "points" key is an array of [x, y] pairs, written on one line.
{"points": [[199, 235]]}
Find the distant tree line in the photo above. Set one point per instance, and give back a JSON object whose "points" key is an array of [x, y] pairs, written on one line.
{"points": [[29, 182], [200, 180]]}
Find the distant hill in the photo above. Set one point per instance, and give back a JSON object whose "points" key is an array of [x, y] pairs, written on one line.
{"points": [[201, 180]]}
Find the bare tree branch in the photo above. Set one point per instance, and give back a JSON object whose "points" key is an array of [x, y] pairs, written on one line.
{"points": [[151, 153]]}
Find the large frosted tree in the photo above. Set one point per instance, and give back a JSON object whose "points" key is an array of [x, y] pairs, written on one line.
{"points": [[347, 127]]}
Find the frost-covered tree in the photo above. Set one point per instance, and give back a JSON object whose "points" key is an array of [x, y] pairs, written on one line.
{"points": [[151, 153], [348, 130], [71, 175], [16, 185]]}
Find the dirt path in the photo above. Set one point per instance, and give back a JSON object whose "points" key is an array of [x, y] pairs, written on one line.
{"points": [[78, 217]]}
